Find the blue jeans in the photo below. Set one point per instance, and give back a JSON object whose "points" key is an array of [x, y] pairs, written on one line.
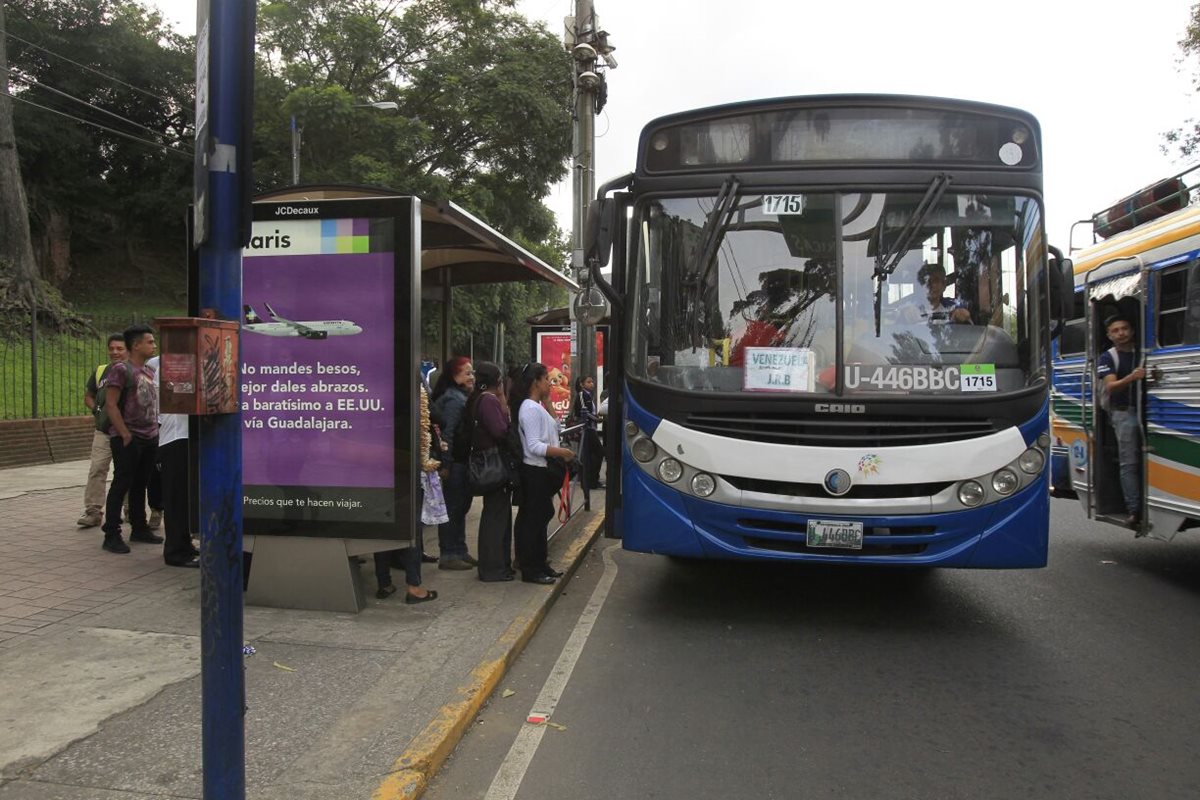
{"points": [[452, 535], [1129, 454]]}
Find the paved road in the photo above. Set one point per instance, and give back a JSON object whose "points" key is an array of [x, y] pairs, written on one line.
{"points": [[1076, 681]]}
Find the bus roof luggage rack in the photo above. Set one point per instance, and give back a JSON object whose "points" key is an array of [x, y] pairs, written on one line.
{"points": [[1154, 201]]}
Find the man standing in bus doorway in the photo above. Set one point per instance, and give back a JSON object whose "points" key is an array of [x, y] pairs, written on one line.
{"points": [[1118, 371]]}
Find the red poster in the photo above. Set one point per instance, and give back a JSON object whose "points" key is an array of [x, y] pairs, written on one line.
{"points": [[554, 350]]}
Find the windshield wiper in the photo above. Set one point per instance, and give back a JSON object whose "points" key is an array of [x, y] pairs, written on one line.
{"points": [[886, 261], [714, 227]]}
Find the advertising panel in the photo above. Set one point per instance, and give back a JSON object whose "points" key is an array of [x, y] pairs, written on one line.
{"points": [[552, 347], [328, 377]]}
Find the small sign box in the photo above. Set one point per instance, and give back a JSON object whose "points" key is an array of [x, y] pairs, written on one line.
{"points": [[198, 368], [778, 369]]}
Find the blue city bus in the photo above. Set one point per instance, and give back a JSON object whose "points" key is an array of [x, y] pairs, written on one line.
{"points": [[831, 329]]}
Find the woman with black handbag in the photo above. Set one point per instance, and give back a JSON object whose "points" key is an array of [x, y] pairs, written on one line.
{"points": [[539, 442], [489, 472]]}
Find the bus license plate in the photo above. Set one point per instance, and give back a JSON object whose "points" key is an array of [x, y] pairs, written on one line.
{"points": [[833, 533]]}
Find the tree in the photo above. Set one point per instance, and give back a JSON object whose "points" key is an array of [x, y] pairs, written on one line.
{"points": [[484, 119], [18, 271], [1186, 138], [106, 132], [484, 102]]}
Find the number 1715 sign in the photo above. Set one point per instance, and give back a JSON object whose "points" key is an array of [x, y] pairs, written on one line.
{"points": [[783, 204]]}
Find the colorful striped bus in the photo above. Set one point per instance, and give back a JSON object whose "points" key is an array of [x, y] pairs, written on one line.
{"points": [[1147, 271]]}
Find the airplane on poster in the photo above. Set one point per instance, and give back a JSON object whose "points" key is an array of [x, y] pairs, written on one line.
{"points": [[309, 329]]}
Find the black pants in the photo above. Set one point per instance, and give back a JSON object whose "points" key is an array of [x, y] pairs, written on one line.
{"points": [[133, 464], [533, 515], [593, 455], [154, 491], [173, 476], [494, 548], [406, 558]]}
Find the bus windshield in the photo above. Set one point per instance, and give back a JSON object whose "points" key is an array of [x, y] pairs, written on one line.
{"points": [[932, 297]]}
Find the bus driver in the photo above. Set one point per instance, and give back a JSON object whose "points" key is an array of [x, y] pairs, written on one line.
{"points": [[933, 307]]}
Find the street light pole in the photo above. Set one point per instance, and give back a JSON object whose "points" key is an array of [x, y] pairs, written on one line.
{"points": [[296, 131], [298, 134], [590, 49]]}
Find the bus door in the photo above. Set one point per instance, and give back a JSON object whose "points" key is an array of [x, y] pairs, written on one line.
{"points": [[1120, 296], [607, 233]]}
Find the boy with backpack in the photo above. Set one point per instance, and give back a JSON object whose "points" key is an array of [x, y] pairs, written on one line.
{"points": [[101, 456]]}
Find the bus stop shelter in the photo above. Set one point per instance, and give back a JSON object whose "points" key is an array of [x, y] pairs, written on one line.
{"points": [[456, 248]]}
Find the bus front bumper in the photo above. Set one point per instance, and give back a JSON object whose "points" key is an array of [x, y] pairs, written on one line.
{"points": [[1011, 533]]}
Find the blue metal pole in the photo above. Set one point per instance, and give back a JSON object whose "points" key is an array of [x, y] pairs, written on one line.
{"points": [[220, 479]]}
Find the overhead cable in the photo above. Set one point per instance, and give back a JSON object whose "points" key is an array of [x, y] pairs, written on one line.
{"points": [[114, 115], [146, 92], [114, 131]]}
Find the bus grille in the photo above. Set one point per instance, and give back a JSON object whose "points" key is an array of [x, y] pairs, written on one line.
{"points": [[839, 432], [886, 491]]}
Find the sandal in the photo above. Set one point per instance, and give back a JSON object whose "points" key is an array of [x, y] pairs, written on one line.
{"points": [[412, 599], [384, 592]]}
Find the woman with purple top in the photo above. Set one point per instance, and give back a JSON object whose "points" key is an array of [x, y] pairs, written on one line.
{"points": [[487, 411]]}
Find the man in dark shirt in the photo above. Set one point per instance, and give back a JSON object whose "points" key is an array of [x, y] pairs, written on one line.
{"points": [[132, 406], [1119, 376]]}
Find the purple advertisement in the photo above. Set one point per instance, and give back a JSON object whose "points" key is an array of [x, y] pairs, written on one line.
{"points": [[318, 379]]}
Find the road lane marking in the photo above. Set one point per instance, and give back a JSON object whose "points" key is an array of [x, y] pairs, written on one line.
{"points": [[520, 755]]}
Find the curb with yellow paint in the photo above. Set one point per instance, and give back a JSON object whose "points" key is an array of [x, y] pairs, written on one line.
{"points": [[429, 749]]}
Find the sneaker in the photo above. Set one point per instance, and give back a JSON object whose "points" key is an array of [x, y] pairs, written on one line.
{"points": [[470, 559], [88, 521], [113, 543], [455, 564], [155, 519], [145, 537]]}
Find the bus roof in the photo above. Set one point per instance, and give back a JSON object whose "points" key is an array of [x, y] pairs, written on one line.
{"points": [[1160, 238], [825, 100]]}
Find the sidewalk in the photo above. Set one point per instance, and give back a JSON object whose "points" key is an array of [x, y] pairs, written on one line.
{"points": [[100, 664]]}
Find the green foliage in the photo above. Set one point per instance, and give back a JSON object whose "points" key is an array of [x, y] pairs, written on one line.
{"points": [[483, 95], [104, 183], [1186, 138], [483, 119]]}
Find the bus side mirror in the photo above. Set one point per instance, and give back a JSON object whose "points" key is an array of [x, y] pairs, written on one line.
{"points": [[1062, 286], [598, 232]]}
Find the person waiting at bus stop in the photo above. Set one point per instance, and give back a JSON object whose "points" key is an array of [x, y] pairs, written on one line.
{"points": [[1117, 369], [539, 441], [449, 397], [583, 411]]}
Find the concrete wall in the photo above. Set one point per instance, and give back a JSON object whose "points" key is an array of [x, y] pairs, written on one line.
{"points": [[24, 442]]}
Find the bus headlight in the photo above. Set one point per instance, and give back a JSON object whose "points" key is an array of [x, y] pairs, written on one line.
{"points": [[670, 470], [1005, 481], [644, 450], [631, 429], [970, 493], [1031, 461], [703, 484], [1043, 440]]}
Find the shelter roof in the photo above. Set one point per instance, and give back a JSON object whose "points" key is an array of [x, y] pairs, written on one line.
{"points": [[453, 241]]}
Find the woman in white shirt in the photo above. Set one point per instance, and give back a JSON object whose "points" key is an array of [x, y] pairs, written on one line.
{"points": [[539, 440]]}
